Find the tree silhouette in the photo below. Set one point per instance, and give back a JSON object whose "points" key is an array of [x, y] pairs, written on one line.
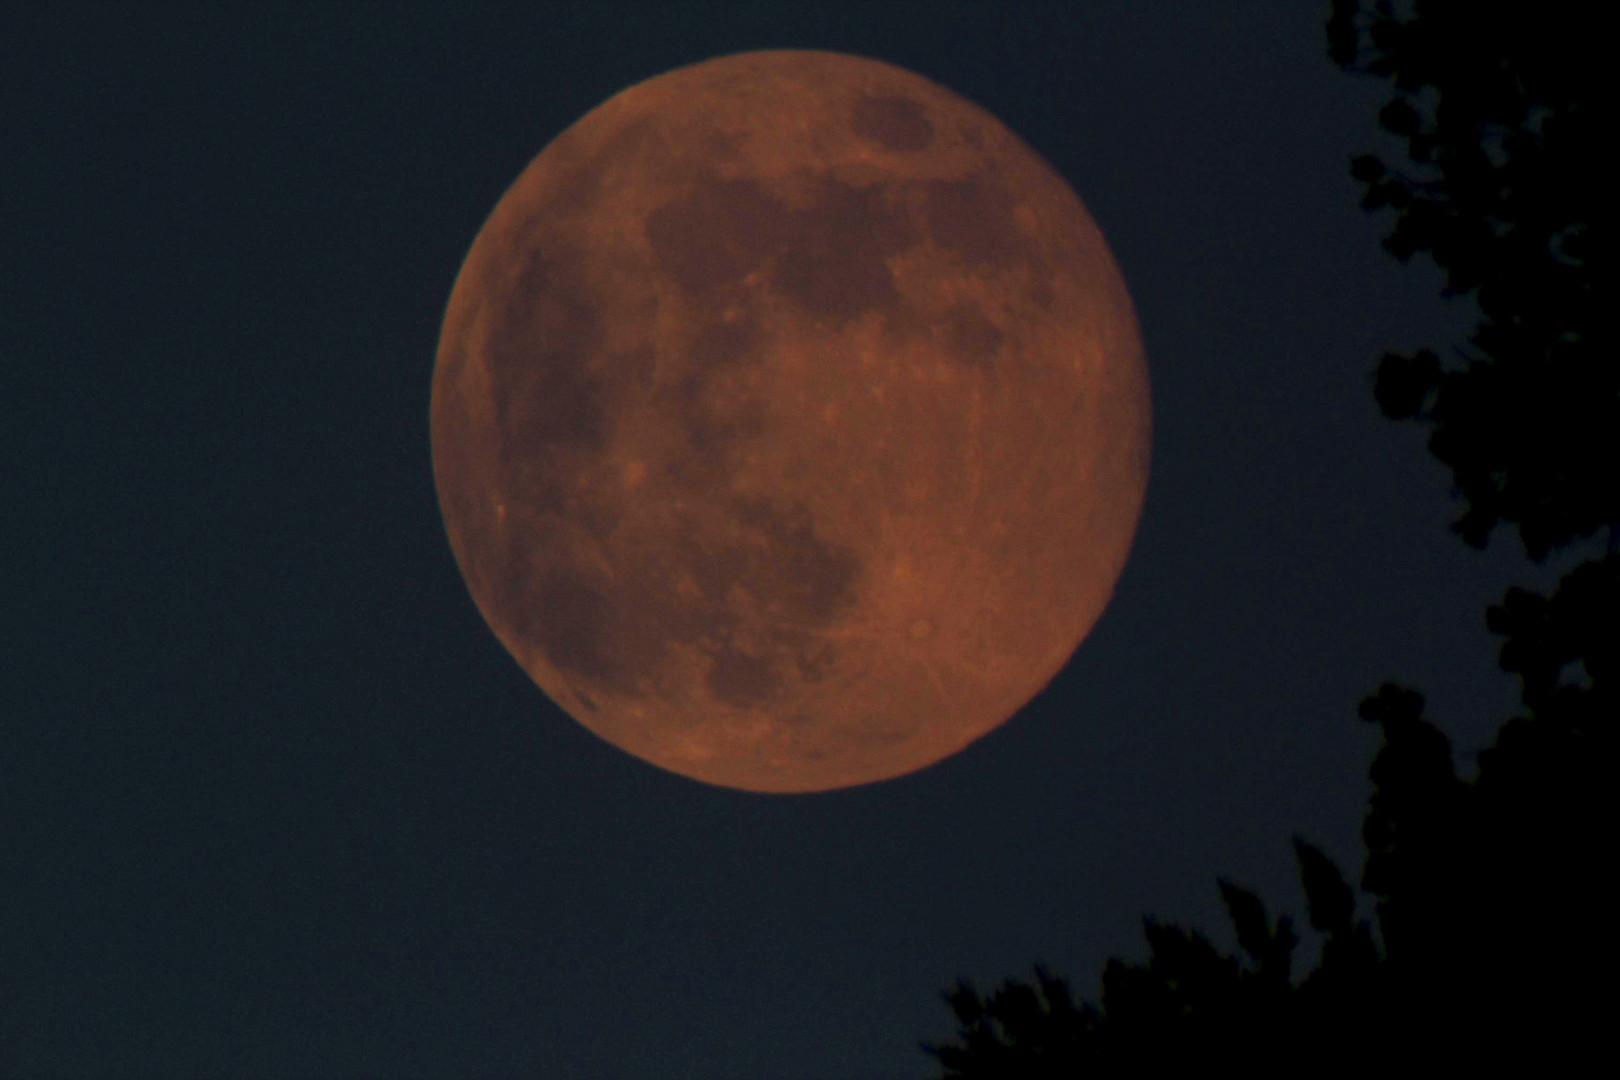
{"points": [[1496, 106], [1486, 943]]}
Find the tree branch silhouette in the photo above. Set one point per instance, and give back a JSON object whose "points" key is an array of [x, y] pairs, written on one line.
{"points": [[1484, 946]]}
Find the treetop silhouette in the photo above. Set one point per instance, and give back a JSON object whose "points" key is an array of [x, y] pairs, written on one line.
{"points": [[1483, 945]]}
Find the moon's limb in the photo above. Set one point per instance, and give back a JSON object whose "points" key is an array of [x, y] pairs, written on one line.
{"points": [[790, 421]]}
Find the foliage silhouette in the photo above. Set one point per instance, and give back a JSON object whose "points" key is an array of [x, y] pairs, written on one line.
{"points": [[1484, 946], [1497, 108]]}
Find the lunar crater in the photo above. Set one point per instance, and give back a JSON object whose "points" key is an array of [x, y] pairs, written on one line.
{"points": [[893, 122]]}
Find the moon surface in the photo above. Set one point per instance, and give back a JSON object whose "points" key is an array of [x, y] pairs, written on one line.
{"points": [[790, 421]]}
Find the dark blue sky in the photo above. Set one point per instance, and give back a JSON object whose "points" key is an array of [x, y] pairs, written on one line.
{"points": [[275, 802]]}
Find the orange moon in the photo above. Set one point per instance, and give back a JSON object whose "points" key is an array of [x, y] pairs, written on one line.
{"points": [[790, 421]]}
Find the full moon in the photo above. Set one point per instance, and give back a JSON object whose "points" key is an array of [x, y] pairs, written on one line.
{"points": [[790, 421]]}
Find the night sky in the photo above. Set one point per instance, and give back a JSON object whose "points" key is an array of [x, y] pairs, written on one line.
{"points": [[275, 802]]}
